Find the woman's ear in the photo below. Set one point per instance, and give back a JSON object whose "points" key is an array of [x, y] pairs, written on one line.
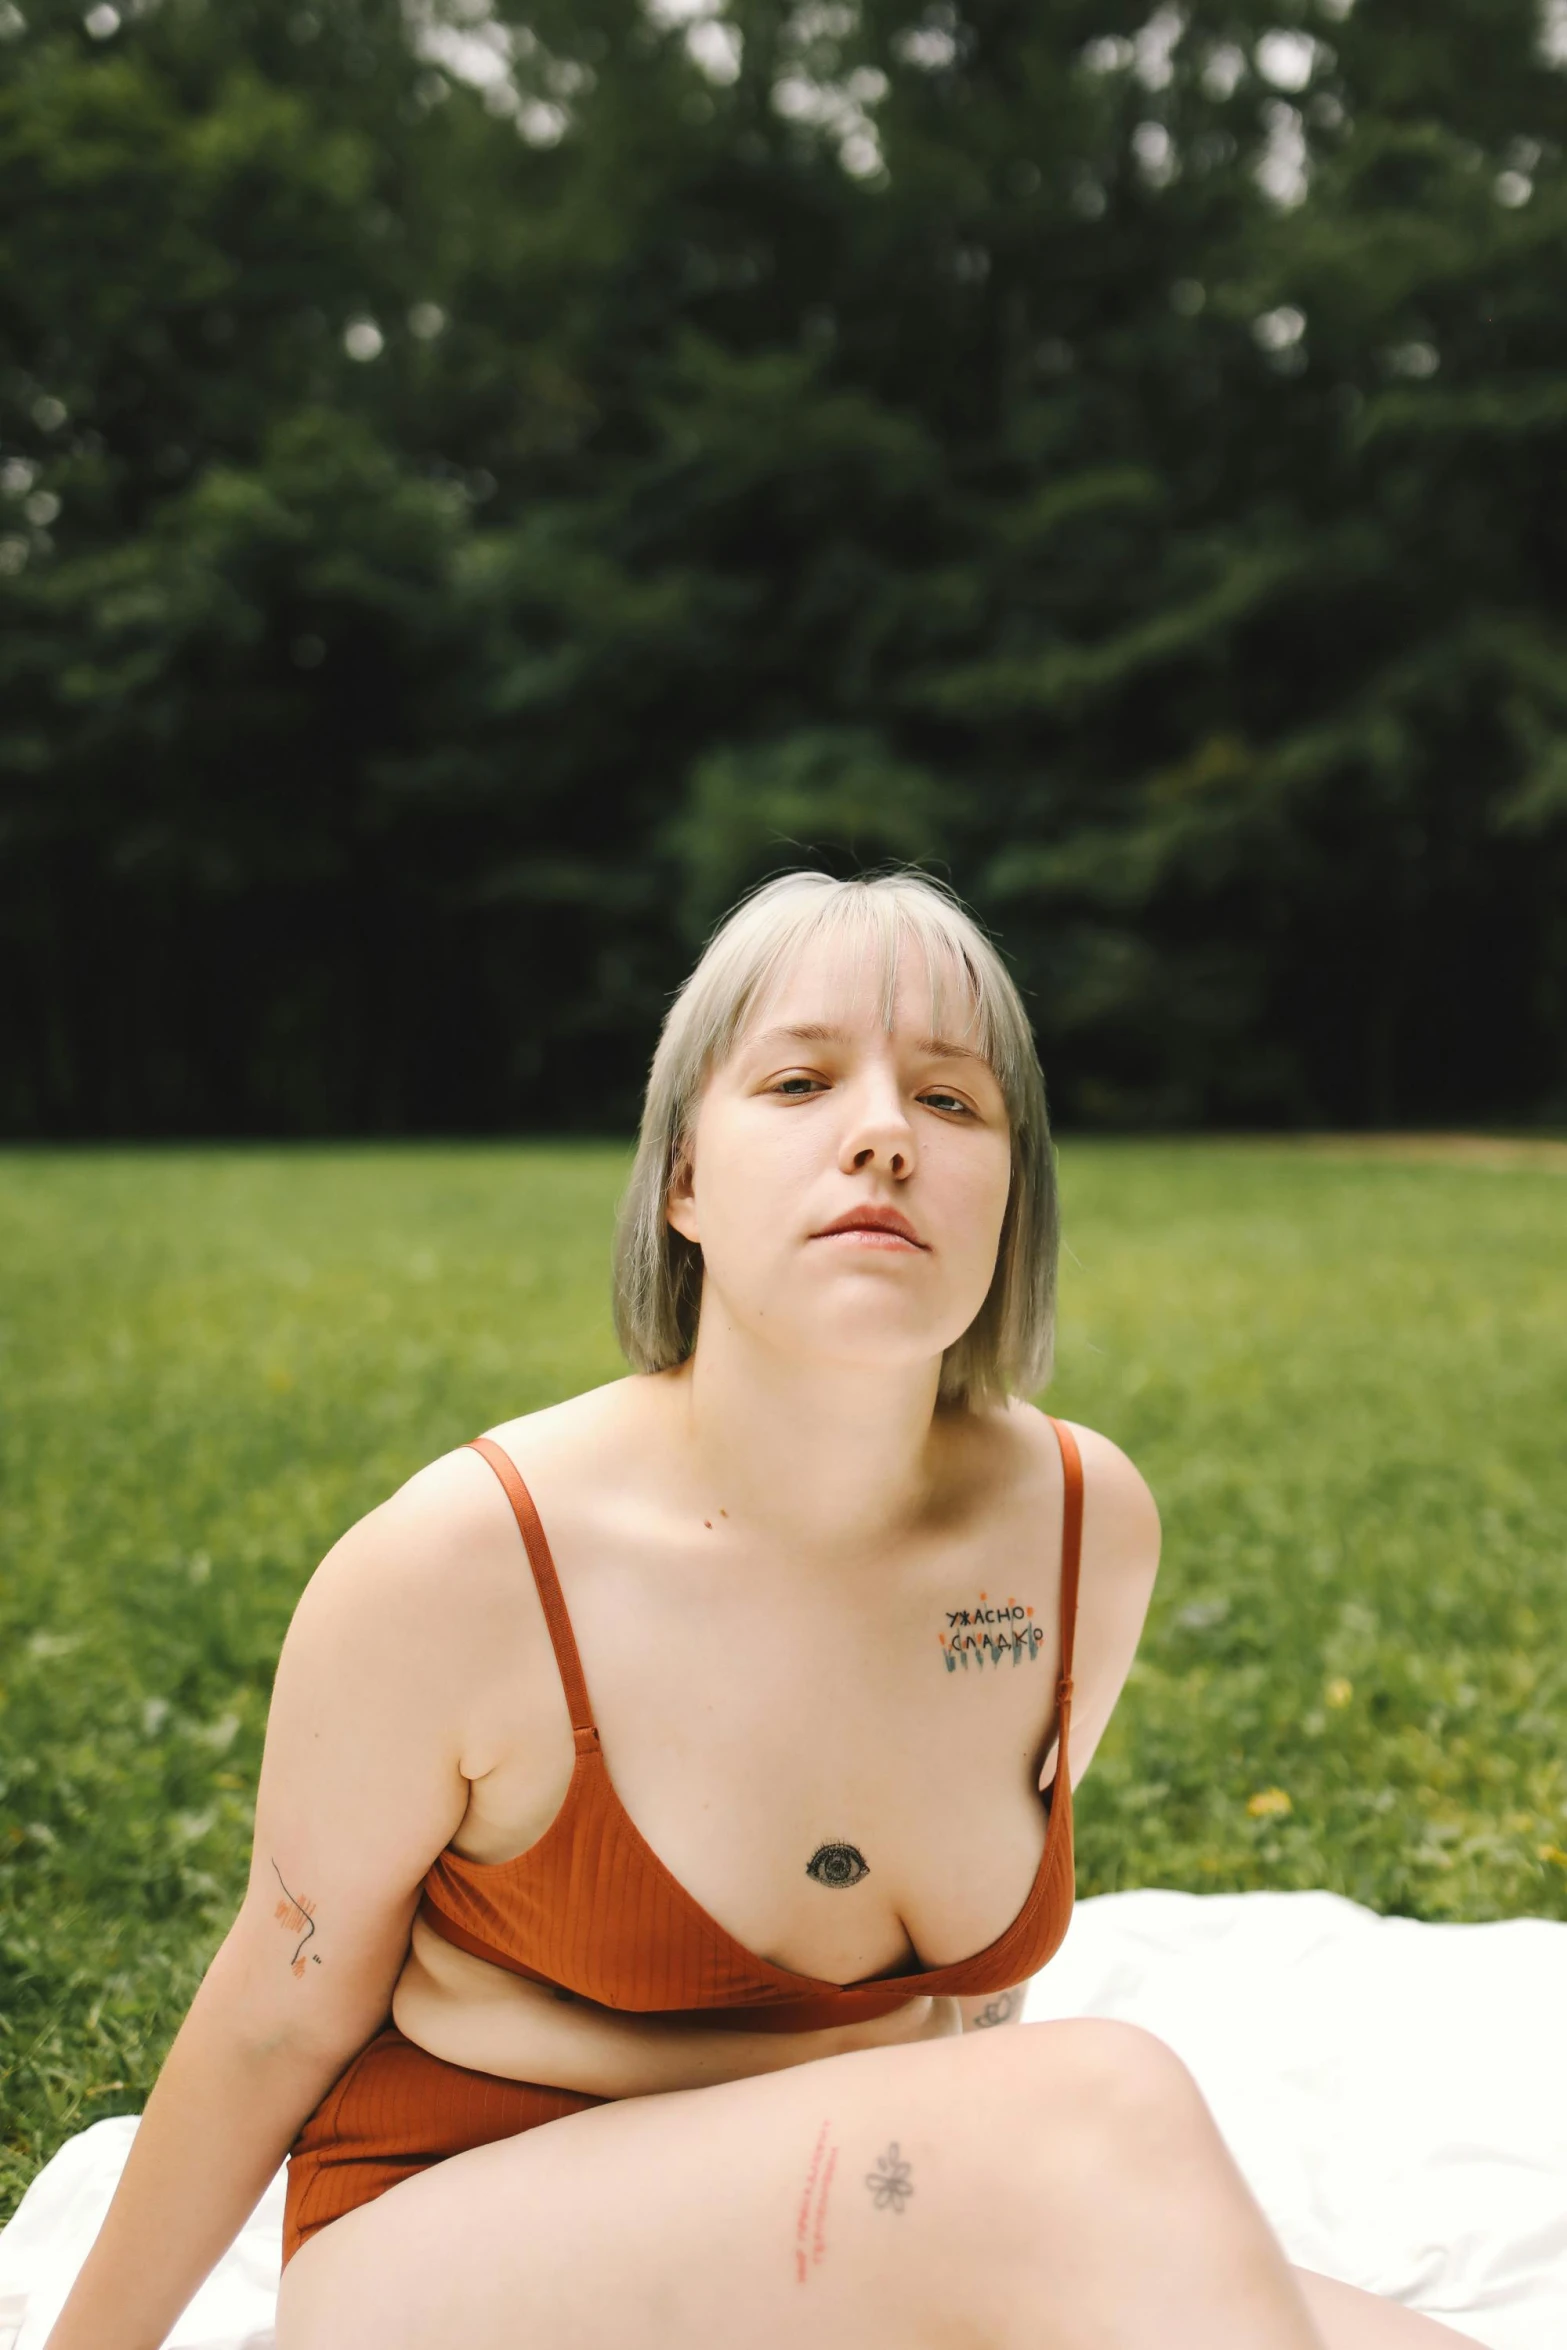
{"points": [[680, 1204]]}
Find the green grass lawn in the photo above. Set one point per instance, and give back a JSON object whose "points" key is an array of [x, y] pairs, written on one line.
{"points": [[1343, 1372]]}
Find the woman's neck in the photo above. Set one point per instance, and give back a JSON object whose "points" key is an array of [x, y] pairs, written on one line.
{"points": [[832, 1459]]}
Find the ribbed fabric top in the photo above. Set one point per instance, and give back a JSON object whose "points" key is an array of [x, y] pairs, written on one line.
{"points": [[590, 1908]]}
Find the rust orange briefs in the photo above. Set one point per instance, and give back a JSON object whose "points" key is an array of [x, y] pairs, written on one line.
{"points": [[591, 1909], [396, 2110]]}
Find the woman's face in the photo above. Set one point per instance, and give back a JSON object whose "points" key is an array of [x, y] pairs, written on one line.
{"points": [[819, 1113]]}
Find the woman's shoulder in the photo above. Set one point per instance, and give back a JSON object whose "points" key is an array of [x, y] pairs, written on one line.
{"points": [[429, 1558], [438, 1568], [448, 1537], [457, 1497], [1120, 1563], [1116, 1495], [578, 1426]]}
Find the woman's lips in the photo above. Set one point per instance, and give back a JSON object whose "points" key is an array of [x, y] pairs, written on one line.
{"points": [[874, 1236]]}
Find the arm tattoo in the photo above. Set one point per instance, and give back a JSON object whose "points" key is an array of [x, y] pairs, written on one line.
{"points": [[299, 1917], [892, 2181], [999, 2010], [989, 1632]]}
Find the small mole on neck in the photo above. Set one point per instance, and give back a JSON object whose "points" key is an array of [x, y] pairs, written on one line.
{"points": [[708, 1523]]}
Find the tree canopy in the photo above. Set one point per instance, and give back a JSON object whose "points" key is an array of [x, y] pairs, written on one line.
{"points": [[482, 484]]}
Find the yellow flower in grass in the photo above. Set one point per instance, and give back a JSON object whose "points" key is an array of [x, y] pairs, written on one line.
{"points": [[1338, 1691], [1552, 1852], [1269, 1803]]}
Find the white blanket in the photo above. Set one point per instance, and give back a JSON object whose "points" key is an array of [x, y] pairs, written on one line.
{"points": [[1396, 2094]]}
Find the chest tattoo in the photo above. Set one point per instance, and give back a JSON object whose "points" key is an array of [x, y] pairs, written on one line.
{"points": [[987, 1633], [837, 1864]]}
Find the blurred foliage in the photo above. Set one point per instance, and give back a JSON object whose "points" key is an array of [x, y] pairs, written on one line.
{"points": [[1345, 1378], [482, 484]]}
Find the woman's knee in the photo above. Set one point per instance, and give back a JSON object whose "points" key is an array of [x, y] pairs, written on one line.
{"points": [[1092, 2089], [1102, 2053], [1065, 2136]]}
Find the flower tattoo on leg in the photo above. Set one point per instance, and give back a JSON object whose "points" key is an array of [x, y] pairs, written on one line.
{"points": [[892, 2181]]}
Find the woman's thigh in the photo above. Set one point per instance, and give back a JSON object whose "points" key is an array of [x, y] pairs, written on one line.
{"points": [[890, 2197], [1349, 2319]]}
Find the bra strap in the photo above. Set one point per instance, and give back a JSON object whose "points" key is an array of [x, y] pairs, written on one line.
{"points": [[1071, 1559], [584, 1730]]}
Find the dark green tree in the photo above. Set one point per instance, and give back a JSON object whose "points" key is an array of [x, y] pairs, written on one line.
{"points": [[479, 486]]}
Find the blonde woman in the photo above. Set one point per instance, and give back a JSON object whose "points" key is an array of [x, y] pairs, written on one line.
{"points": [[666, 1798]]}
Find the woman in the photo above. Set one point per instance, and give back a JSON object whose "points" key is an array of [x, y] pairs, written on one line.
{"points": [[801, 1652]]}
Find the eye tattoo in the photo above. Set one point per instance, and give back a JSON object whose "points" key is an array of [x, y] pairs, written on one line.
{"points": [[987, 1631], [298, 1917], [837, 1864], [892, 2181]]}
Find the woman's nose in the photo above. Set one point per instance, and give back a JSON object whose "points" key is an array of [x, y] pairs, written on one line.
{"points": [[878, 1134]]}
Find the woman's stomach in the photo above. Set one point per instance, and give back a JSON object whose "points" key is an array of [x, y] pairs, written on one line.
{"points": [[470, 2012]]}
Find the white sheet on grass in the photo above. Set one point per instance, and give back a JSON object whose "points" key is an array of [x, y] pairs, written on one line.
{"points": [[1396, 2094]]}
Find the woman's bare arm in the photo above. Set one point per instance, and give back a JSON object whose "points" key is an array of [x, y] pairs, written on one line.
{"points": [[218, 2122], [1119, 1564], [361, 1786], [996, 2007]]}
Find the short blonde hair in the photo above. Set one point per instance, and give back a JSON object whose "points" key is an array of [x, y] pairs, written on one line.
{"points": [[1008, 1346]]}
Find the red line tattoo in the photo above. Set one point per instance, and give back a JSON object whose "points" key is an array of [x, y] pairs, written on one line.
{"points": [[810, 2229]]}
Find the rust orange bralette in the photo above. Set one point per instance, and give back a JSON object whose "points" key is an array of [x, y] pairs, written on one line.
{"points": [[591, 1909]]}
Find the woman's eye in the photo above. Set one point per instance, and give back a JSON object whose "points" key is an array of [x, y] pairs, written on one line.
{"points": [[797, 1088]]}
